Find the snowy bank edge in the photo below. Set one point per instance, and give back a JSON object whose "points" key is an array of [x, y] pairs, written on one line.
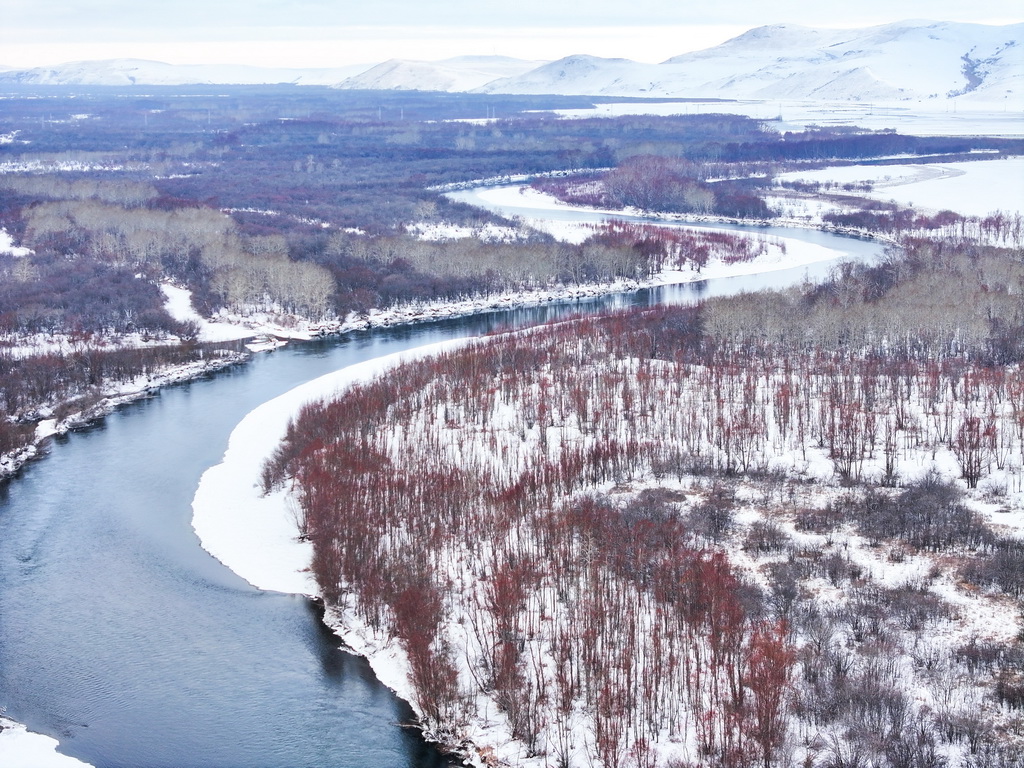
{"points": [[255, 535], [112, 399], [22, 748]]}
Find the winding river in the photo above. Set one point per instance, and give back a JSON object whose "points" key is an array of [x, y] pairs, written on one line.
{"points": [[126, 641]]}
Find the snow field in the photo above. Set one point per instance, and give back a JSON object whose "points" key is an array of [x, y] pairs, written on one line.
{"points": [[976, 188]]}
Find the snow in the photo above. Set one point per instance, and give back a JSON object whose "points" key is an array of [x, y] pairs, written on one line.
{"points": [[7, 246], [783, 252], [142, 72], [463, 73], [910, 62], [906, 61], [72, 166], [975, 188], [255, 535], [179, 306], [272, 329], [921, 118], [20, 748], [441, 231]]}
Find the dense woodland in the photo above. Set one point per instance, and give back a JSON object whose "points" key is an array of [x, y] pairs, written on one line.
{"points": [[700, 536]]}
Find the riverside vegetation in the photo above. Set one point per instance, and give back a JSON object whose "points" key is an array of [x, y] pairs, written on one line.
{"points": [[714, 536], [297, 202], [695, 536]]}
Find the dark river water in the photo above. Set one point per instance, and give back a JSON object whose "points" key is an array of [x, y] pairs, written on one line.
{"points": [[121, 637]]}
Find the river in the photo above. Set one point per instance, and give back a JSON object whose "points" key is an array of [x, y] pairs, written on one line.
{"points": [[121, 637]]}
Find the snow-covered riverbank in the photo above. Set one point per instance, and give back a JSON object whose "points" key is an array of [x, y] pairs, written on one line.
{"points": [[20, 748], [256, 537], [110, 397]]}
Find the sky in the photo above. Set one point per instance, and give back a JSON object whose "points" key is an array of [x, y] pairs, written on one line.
{"points": [[338, 33]]}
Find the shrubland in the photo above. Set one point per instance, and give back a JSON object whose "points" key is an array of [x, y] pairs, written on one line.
{"points": [[777, 529], [299, 201]]}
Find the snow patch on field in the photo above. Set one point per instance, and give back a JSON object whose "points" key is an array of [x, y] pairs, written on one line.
{"points": [[488, 233], [7, 246]]}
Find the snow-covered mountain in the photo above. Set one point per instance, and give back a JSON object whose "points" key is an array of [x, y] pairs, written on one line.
{"points": [[909, 60], [462, 73], [142, 72], [904, 61]]}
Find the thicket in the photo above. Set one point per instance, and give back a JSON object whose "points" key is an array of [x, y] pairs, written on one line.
{"points": [[465, 485], [938, 298], [670, 184]]}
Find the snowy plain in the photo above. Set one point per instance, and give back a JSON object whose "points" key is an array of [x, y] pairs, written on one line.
{"points": [[975, 188], [7, 245], [914, 118]]}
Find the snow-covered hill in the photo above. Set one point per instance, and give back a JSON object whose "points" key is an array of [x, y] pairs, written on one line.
{"points": [[904, 61], [462, 73], [142, 72], [910, 60]]}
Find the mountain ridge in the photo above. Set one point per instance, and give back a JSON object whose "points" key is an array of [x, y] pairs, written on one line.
{"points": [[900, 61], [916, 60]]}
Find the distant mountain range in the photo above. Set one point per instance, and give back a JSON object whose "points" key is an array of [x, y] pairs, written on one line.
{"points": [[911, 60], [142, 72], [463, 73], [908, 60]]}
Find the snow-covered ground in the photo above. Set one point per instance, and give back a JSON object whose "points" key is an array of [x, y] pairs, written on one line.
{"points": [[257, 536], [20, 748], [488, 233], [975, 188], [918, 119], [7, 245]]}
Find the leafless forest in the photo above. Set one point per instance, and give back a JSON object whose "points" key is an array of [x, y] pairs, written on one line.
{"points": [[700, 536]]}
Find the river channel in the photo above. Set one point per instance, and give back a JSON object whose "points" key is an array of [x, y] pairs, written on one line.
{"points": [[122, 638]]}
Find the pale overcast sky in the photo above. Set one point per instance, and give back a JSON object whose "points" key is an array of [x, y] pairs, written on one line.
{"points": [[326, 33]]}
